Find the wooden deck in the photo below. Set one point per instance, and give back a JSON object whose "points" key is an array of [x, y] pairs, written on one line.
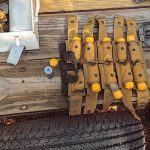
{"points": [[24, 87]]}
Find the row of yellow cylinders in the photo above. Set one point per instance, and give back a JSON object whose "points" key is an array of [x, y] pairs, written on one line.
{"points": [[117, 93]]}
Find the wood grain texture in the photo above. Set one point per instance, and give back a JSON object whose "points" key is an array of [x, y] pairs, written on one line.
{"points": [[76, 5], [53, 30], [26, 84]]}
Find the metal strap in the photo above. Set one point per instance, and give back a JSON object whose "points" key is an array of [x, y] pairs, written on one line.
{"points": [[75, 89], [72, 27], [102, 28], [123, 69], [75, 105], [105, 56], [118, 27], [143, 96], [89, 57], [131, 27], [88, 28]]}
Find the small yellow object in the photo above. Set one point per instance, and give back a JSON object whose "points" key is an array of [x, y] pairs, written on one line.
{"points": [[53, 62], [115, 108], [106, 39], [96, 87], [141, 86], [89, 39], [76, 38], [118, 94], [130, 38], [129, 85], [2, 15], [121, 40]]}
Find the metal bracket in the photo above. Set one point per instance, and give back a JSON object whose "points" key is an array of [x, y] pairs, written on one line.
{"points": [[144, 34]]}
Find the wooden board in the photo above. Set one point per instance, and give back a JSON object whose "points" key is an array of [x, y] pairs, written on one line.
{"points": [[82, 5], [53, 30], [25, 87]]}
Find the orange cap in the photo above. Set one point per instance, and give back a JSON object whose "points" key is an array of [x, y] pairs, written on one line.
{"points": [[106, 39], [53, 62], [121, 40], [130, 38], [96, 87], [118, 94], [76, 38], [141, 86], [89, 39], [129, 85]]}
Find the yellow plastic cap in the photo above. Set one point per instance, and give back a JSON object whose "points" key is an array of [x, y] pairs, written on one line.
{"points": [[96, 87], [89, 39], [129, 85], [76, 38], [118, 94], [141, 86], [121, 40], [106, 39], [130, 38], [53, 62], [2, 15]]}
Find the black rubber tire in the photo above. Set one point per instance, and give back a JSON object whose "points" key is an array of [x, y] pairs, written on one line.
{"points": [[108, 131]]}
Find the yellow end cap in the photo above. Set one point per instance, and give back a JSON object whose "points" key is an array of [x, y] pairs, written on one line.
{"points": [[53, 62], [89, 39], [2, 15], [96, 87], [76, 38], [129, 85], [141, 86], [106, 39], [118, 94], [121, 40], [130, 38]]}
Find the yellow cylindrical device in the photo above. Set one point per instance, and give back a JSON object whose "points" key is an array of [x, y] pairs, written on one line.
{"points": [[76, 38], [89, 40], [130, 38], [121, 40], [89, 49], [106, 39], [117, 93], [129, 85], [140, 77], [142, 86], [96, 87], [121, 50]]}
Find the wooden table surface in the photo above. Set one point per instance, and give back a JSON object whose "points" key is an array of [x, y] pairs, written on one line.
{"points": [[24, 88]]}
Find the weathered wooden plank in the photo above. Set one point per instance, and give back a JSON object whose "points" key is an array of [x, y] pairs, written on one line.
{"points": [[33, 54], [26, 85], [27, 77], [53, 30], [31, 102], [26, 69], [76, 5]]}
